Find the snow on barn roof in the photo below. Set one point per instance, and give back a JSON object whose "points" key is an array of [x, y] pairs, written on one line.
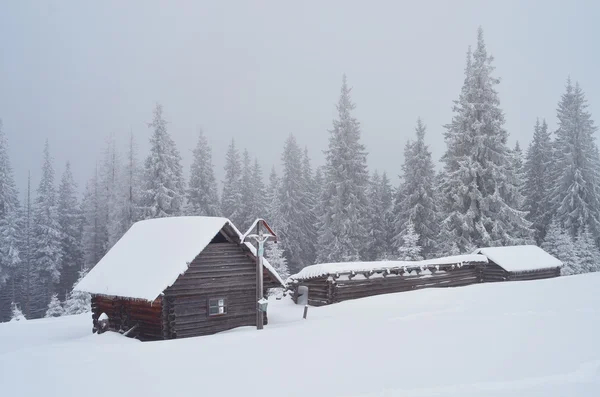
{"points": [[520, 258], [152, 255], [325, 269]]}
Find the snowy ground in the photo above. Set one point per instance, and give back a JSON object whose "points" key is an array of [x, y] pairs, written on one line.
{"points": [[537, 338]]}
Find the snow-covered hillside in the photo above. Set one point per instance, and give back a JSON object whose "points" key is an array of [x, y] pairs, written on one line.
{"points": [[538, 338]]}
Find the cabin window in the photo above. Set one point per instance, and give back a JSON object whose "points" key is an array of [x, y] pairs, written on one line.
{"points": [[217, 306]]}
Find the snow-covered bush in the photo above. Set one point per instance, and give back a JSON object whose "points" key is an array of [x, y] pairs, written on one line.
{"points": [[16, 313]]}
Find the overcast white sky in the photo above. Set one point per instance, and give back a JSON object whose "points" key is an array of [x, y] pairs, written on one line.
{"points": [[75, 71]]}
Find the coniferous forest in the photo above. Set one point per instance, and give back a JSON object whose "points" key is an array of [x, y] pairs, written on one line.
{"points": [[482, 192]]}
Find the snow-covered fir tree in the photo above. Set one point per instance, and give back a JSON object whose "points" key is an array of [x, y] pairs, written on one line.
{"points": [[418, 199], [343, 234], [410, 250], [560, 244], [387, 205], [274, 254], [480, 193], [272, 199], [163, 190], [311, 200], [293, 205], [259, 204], [126, 209], [10, 232], [46, 234], [376, 246], [69, 219], [55, 308], [202, 192], [16, 313], [538, 181], [28, 279], [78, 301], [93, 228], [587, 252], [231, 197], [575, 195], [111, 193], [245, 213], [518, 170]]}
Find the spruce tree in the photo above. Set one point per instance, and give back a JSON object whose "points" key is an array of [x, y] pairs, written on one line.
{"points": [[10, 232], [245, 215], [202, 193], [343, 233], [376, 248], [310, 198], [55, 308], [259, 205], [538, 181], [46, 239], [93, 231], [480, 191], [28, 274], [560, 244], [231, 198], [16, 313], [163, 188], [293, 205], [518, 171], [410, 250], [272, 199], [418, 201], [387, 205], [69, 219], [575, 195], [587, 252], [274, 254], [78, 301]]}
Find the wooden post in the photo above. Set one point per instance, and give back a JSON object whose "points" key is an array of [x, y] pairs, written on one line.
{"points": [[259, 281], [305, 312]]}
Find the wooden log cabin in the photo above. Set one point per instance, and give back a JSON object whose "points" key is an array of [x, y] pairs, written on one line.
{"points": [[336, 282], [522, 262], [177, 277]]}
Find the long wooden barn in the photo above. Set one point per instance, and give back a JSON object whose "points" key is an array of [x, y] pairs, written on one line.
{"points": [[336, 282], [522, 262], [177, 277]]}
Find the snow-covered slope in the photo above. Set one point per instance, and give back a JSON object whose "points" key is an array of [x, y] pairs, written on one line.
{"points": [[536, 338]]}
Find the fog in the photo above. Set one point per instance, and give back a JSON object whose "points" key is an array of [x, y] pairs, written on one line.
{"points": [[257, 71]]}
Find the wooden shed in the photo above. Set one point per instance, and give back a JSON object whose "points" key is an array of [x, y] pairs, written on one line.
{"points": [[336, 282], [177, 277], [521, 262]]}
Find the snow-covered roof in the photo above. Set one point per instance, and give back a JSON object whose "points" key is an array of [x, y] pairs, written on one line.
{"points": [[152, 254], [520, 258], [325, 269]]}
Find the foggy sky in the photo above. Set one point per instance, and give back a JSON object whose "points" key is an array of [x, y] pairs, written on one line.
{"points": [[257, 71]]}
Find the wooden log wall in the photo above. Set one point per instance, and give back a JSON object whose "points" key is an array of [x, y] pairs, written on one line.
{"points": [[494, 273], [337, 288], [360, 288], [124, 314], [534, 275], [222, 270]]}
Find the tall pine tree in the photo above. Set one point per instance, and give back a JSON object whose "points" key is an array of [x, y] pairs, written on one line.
{"points": [[418, 205], [202, 193], [538, 181], [480, 192], [163, 188], [69, 219], [231, 197], [10, 233], [343, 233], [292, 205], [46, 239], [575, 195]]}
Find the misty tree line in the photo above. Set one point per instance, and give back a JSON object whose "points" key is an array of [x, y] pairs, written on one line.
{"points": [[485, 194]]}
